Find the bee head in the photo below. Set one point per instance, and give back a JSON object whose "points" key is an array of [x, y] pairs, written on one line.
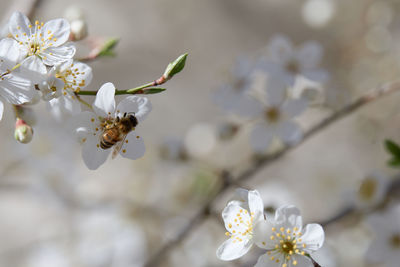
{"points": [[133, 120]]}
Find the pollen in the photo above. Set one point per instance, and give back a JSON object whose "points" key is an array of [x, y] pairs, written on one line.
{"points": [[124, 151]]}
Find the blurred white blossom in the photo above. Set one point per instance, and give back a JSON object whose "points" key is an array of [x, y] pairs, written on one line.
{"points": [[286, 62], [385, 248]]}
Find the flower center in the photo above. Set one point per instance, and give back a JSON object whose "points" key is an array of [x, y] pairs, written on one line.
{"points": [[395, 241], [287, 242], [368, 189], [272, 114], [71, 79], [35, 48], [293, 66], [242, 219]]}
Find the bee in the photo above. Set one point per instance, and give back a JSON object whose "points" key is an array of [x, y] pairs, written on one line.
{"points": [[114, 134]]}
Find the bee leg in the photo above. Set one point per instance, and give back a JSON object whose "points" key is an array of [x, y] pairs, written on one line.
{"points": [[124, 114], [117, 119]]}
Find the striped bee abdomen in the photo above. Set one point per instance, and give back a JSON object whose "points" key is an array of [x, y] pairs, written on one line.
{"points": [[109, 138]]}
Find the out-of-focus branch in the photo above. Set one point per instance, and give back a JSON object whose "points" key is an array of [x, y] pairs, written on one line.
{"points": [[347, 211], [261, 162]]}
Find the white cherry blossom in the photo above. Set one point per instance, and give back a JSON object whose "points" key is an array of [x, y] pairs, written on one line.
{"points": [[372, 190], [91, 125], [14, 88], [62, 82], [240, 218], [277, 113], [41, 43], [288, 62], [385, 247], [285, 240]]}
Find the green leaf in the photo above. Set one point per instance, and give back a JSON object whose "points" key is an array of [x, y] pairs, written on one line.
{"points": [[394, 162], [150, 91], [175, 67], [392, 148], [108, 46]]}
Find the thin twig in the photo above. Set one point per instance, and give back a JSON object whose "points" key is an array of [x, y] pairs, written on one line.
{"points": [[264, 161]]}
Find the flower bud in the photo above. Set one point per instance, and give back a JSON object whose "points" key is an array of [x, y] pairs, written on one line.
{"points": [[23, 132], [78, 29], [73, 13], [175, 67]]}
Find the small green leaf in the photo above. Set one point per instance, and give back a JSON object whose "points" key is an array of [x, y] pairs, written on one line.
{"points": [[108, 46], [175, 67], [392, 148], [150, 91]]}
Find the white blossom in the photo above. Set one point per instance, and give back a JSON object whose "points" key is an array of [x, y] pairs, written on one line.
{"points": [[385, 248], [41, 44], [276, 113], [62, 82], [240, 217], [372, 190], [90, 126], [285, 240], [107, 239], [14, 88], [288, 62]]}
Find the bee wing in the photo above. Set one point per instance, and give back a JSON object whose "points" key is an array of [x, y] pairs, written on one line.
{"points": [[117, 147]]}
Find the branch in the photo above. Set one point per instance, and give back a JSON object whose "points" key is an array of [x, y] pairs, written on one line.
{"points": [[264, 161], [347, 211]]}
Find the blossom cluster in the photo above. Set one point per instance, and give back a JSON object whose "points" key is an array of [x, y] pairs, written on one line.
{"points": [[274, 90], [285, 241], [37, 62]]}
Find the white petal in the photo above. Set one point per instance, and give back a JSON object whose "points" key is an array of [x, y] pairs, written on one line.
{"points": [[261, 137], [313, 236], [104, 105], [289, 217], [85, 73], [64, 106], [289, 132], [310, 54], [133, 147], [294, 107], [232, 100], [276, 91], [18, 25], [229, 214], [140, 106], [1, 110], [83, 121], [16, 90], [316, 75], [57, 55], [262, 233], [230, 250], [302, 261], [265, 261], [256, 204], [280, 48], [56, 28], [9, 50], [35, 65], [92, 155]]}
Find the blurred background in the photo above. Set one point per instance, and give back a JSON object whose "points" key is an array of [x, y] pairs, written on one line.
{"points": [[54, 212]]}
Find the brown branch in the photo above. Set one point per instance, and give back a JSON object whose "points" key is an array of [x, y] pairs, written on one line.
{"points": [[264, 161]]}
